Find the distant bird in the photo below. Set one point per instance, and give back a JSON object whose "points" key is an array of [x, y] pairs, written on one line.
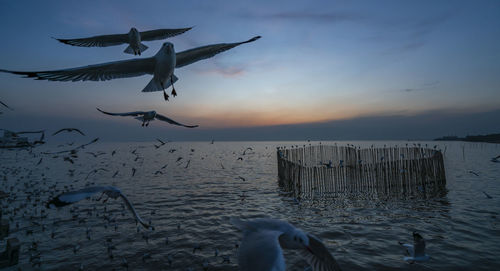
{"points": [[474, 173], [495, 159], [147, 116], [241, 178], [487, 196], [133, 38], [112, 192], [2, 103], [161, 143], [264, 240], [133, 172], [69, 130], [416, 252], [247, 149], [161, 66]]}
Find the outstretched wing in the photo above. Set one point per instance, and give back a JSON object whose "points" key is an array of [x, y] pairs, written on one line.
{"points": [[135, 113], [318, 256], [6, 105], [75, 196], [132, 209], [171, 121], [98, 72], [193, 55], [160, 34], [97, 41]]}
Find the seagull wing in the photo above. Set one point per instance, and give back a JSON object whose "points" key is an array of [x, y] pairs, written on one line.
{"points": [[261, 250], [171, 121], [59, 131], [97, 41], [196, 54], [6, 105], [75, 196], [132, 209], [98, 72], [135, 113], [160, 34], [318, 256], [78, 131]]}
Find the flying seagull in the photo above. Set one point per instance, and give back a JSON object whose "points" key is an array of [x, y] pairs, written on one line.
{"points": [[161, 66], [133, 38], [69, 130], [416, 252], [147, 116], [112, 192], [2, 103], [264, 239]]}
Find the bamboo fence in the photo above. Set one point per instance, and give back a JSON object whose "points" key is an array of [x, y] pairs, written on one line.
{"points": [[322, 170]]}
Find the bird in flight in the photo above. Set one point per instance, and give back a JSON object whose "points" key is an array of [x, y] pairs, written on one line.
{"points": [[69, 130], [111, 191], [133, 38], [161, 66], [147, 116], [2, 103], [264, 240], [416, 251]]}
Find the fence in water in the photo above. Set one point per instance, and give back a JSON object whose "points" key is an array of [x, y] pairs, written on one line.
{"points": [[375, 172]]}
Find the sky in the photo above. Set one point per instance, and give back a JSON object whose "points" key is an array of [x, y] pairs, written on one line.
{"points": [[347, 68]]}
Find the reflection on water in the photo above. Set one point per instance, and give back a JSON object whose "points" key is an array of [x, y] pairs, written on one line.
{"points": [[190, 201]]}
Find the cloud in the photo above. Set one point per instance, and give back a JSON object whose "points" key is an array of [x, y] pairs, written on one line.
{"points": [[332, 17], [424, 86]]}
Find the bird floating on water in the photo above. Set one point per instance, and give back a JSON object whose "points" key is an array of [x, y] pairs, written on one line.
{"points": [[416, 251], [147, 116], [264, 239], [133, 38], [161, 66], [112, 192]]}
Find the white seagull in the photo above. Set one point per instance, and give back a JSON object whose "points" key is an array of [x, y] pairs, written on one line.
{"points": [[264, 239], [161, 66], [133, 38], [416, 252], [147, 116], [112, 192]]}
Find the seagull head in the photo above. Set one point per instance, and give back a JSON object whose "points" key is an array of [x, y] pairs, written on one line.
{"points": [[167, 47], [133, 30]]}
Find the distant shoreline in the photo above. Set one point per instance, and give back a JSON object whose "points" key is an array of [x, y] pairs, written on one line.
{"points": [[490, 138]]}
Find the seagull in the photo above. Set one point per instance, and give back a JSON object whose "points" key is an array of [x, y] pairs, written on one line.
{"points": [[264, 239], [495, 159], [111, 191], [69, 130], [416, 251], [133, 38], [2, 103], [161, 66], [147, 116]]}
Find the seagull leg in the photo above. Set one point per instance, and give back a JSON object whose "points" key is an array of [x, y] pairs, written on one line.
{"points": [[174, 93], [165, 95], [147, 123]]}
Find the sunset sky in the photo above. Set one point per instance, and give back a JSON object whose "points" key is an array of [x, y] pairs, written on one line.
{"points": [[317, 61]]}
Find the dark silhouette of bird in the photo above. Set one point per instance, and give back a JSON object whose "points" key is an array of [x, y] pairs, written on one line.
{"points": [[69, 130]]}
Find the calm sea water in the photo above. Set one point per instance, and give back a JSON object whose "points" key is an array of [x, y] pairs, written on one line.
{"points": [[190, 204]]}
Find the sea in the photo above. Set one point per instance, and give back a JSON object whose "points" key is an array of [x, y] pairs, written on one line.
{"points": [[189, 191]]}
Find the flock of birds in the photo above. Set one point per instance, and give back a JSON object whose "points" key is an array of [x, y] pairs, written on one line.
{"points": [[263, 240], [161, 66], [262, 243]]}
